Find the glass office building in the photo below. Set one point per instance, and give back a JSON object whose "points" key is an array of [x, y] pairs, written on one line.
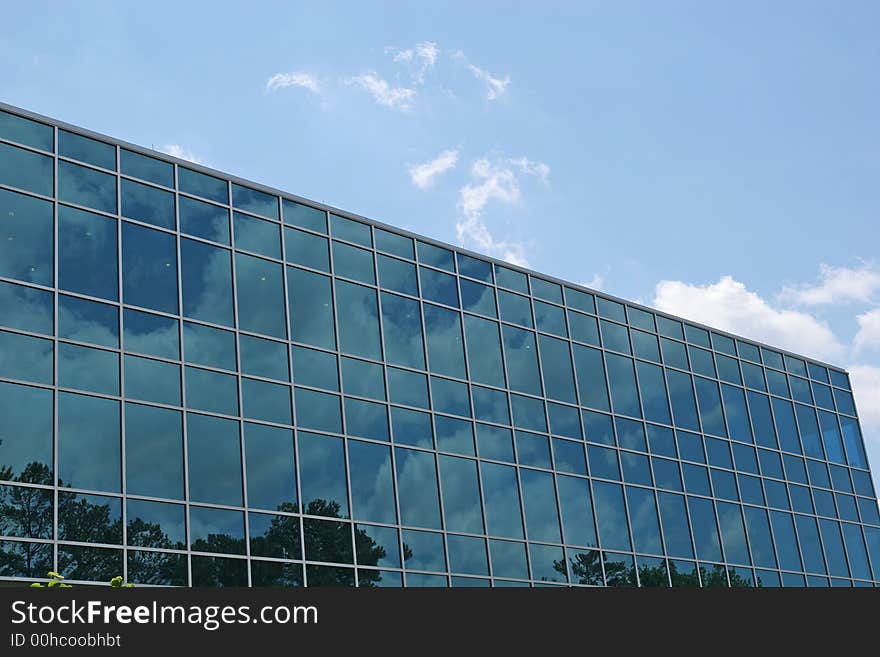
{"points": [[207, 382]]}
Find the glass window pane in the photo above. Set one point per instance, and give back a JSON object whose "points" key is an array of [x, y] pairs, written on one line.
{"points": [[146, 168], [146, 333], [26, 309], [216, 530], [676, 532], [26, 170], [88, 321], [266, 401], [705, 529], [528, 413], [402, 331], [577, 511], [211, 391], [511, 279], [372, 488], [532, 449], [484, 350], [322, 475], [786, 541], [147, 204], [615, 336], [522, 362], [645, 345], [350, 230], [473, 267], [88, 426], [26, 426], [737, 413], [556, 365], [362, 378], [85, 149], [490, 405], [443, 337], [89, 369], [550, 318], [25, 358], [394, 243], [852, 438], [855, 550], [597, 428], [682, 395], [313, 368], [611, 516], [214, 457], [271, 472], [591, 377], [546, 290], [568, 455], [417, 488], [156, 525], [87, 253], [153, 452], [358, 319], [152, 380], [209, 346], [411, 427], [265, 358], [733, 533], [304, 216], [653, 389], [27, 132], [515, 308], [643, 515], [479, 298], [306, 249], [260, 295], [26, 238], [201, 184], [84, 186], [467, 554], [583, 328], [564, 420], [318, 410], [501, 495], [450, 397], [327, 541], [436, 256], [834, 552], [149, 268], [311, 308], [397, 275], [215, 571], [275, 536], [423, 550], [508, 559], [461, 495], [405, 387], [377, 546], [494, 442], [624, 393], [252, 200], [252, 234], [438, 287], [762, 421], [210, 222], [454, 435]]}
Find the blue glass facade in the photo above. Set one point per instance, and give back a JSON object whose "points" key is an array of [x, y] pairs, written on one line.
{"points": [[205, 382]]}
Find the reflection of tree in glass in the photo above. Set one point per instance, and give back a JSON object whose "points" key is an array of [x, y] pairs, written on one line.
{"points": [[586, 568], [25, 512]]}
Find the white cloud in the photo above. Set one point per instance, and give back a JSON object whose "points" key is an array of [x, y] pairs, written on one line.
{"points": [[868, 336], [176, 150], [730, 306], [836, 284], [423, 175], [499, 181], [865, 380], [293, 79], [420, 57], [594, 283], [398, 98], [495, 87]]}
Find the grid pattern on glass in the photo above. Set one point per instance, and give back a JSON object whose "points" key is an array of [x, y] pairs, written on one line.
{"points": [[419, 441]]}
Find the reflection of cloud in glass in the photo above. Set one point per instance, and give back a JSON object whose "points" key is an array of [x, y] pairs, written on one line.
{"points": [[26, 308], [206, 275], [372, 490], [417, 488], [25, 428], [26, 238], [445, 352], [88, 426], [461, 495]]}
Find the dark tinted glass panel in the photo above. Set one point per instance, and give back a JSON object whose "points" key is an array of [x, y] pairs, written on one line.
{"points": [[468, 555], [26, 425], [257, 235], [88, 426], [366, 419], [494, 442], [362, 378], [377, 546], [528, 413], [204, 220], [372, 488], [468, 266], [724, 484], [261, 400], [315, 368], [358, 320], [478, 298], [676, 532], [423, 550], [412, 427], [762, 421], [733, 534], [800, 389], [501, 495], [156, 525], [653, 388], [327, 540], [852, 438], [394, 243], [274, 536], [666, 474], [85, 368], [611, 516], [352, 262], [200, 184], [318, 410], [786, 541], [25, 358], [701, 360], [591, 377], [311, 308], [26, 170], [705, 529], [450, 397], [576, 510], [545, 560], [397, 275], [25, 131], [546, 290], [564, 420], [265, 358], [511, 279], [490, 405], [26, 238], [438, 287], [88, 150], [597, 427], [153, 452], [461, 495], [214, 455], [83, 186], [615, 336], [522, 362], [834, 551], [149, 268], [146, 333], [435, 256], [697, 335], [254, 201], [484, 351], [855, 550], [87, 253], [508, 559], [636, 468], [532, 449], [146, 168], [443, 337], [147, 204], [209, 346], [402, 331], [260, 294], [539, 498], [306, 249], [216, 530], [568, 456], [674, 353], [682, 396], [823, 395], [88, 321], [737, 414], [753, 376], [352, 231], [271, 475], [611, 309], [696, 479], [777, 383], [785, 425], [645, 345], [92, 564], [556, 362], [515, 308], [405, 387], [211, 391], [322, 475], [216, 571], [26, 308], [454, 435], [643, 515], [304, 216], [583, 328], [152, 380], [550, 318], [624, 394], [417, 488]]}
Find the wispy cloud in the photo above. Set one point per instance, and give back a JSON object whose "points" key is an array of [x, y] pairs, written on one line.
{"points": [[594, 283], [865, 381], [176, 150], [836, 285], [293, 79], [868, 336], [495, 87], [420, 58], [496, 180], [423, 175], [397, 98]]}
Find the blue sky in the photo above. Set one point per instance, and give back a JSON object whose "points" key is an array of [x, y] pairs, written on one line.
{"points": [[717, 160]]}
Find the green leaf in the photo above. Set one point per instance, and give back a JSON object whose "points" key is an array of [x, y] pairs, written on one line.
{"points": [[52, 573], [36, 585]]}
